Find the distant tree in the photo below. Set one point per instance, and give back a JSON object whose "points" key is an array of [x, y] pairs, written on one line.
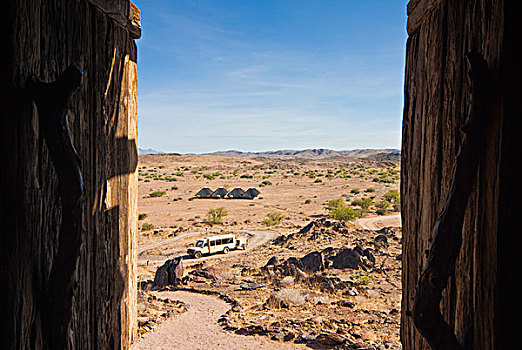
{"points": [[216, 215]]}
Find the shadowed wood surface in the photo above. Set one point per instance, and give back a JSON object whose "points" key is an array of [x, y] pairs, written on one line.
{"points": [[479, 297], [43, 38]]}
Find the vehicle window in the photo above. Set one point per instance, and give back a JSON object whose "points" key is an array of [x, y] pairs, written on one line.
{"points": [[230, 240], [199, 244], [218, 241], [212, 243]]}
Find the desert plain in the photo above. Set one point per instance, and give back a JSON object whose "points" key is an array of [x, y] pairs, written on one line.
{"points": [[307, 279]]}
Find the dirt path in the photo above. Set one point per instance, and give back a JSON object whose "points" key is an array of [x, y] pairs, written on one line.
{"points": [[378, 222], [198, 328]]}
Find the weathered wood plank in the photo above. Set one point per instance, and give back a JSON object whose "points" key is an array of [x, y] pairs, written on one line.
{"points": [[44, 38], [124, 12], [437, 102]]}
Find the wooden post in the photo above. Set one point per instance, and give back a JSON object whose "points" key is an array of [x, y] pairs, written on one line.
{"points": [[43, 39]]}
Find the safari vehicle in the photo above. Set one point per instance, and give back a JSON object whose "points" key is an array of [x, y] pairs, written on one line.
{"points": [[216, 244]]}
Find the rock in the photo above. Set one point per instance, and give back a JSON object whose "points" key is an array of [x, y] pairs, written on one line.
{"points": [[236, 308], [329, 339], [346, 303], [289, 336], [368, 253], [311, 225], [273, 261], [312, 262], [170, 273], [352, 292], [358, 249], [205, 273], [252, 285], [347, 258], [381, 241], [394, 311]]}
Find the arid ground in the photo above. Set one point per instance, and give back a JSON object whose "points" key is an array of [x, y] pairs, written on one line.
{"points": [[307, 280]]}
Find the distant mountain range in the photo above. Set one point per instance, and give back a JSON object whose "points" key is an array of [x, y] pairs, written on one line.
{"points": [[391, 154], [318, 153], [148, 151]]}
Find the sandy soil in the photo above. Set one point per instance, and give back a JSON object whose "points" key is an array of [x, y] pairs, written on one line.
{"points": [[362, 309]]}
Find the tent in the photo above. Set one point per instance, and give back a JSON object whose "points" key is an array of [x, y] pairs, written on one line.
{"points": [[204, 193], [236, 193], [251, 193], [219, 193]]}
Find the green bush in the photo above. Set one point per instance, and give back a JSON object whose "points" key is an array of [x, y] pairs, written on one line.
{"points": [[392, 196], [157, 193], [142, 216], [215, 215], [340, 211], [147, 227], [344, 213], [364, 203], [274, 218]]}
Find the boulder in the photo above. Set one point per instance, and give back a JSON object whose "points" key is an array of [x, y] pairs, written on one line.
{"points": [[329, 339], [381, 241], [368, 253], [170, 273], [273, 261], [347, 258], [312, 262]]}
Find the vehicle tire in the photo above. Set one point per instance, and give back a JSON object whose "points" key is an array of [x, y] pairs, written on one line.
{"points": [[197, 255], [225, 250], [243, 246]]}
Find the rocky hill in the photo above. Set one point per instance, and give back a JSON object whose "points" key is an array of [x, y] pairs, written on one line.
{"points": [[318, 153]]}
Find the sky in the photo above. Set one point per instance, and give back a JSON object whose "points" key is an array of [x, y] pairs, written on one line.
{"points": [[259, 75]]}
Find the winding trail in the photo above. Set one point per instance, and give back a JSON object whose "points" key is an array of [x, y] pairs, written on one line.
{"points": [[198, 329]]}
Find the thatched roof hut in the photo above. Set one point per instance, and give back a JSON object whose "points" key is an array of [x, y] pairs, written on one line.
{"points": [[251, 193], [236, 193], [204, 193], [221, 192]]}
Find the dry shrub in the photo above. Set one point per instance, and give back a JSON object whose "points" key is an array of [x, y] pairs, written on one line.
{"points": [[291, 295]]}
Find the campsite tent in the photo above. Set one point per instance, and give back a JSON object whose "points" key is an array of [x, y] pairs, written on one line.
{"points": [[236, 193], [204, 193], [219, 193], [251, 193]]}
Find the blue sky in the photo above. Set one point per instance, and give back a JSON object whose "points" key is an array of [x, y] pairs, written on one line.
{"points": [[257, 75]]}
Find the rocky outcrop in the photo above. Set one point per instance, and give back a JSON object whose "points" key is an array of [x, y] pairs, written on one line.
{"points": [[168, 274], [347, 258]]}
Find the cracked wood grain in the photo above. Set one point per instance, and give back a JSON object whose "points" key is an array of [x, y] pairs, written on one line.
{"points": [[447, 231], [51, 100]]}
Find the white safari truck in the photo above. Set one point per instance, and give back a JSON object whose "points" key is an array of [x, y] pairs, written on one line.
{"points": [[216, 244]]}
